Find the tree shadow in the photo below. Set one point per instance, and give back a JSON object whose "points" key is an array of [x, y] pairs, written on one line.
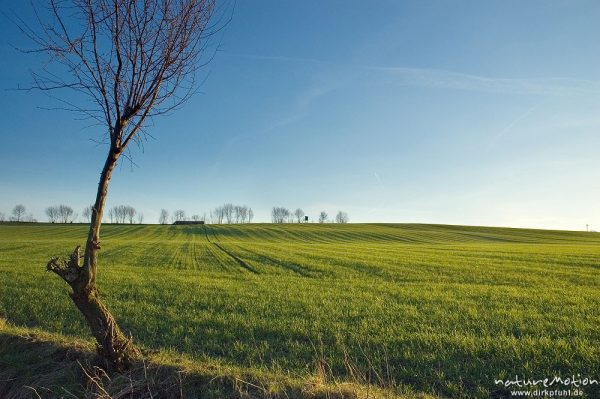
{"points": [[39, 365]]}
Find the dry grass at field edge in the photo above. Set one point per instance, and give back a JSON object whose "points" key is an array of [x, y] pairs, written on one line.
{"points": [[36, 364]]}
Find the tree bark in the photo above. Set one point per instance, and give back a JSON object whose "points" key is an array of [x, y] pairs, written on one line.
{"points": [[112, 345]]}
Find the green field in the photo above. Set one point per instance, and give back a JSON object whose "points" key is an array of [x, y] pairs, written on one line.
{"points": [[433, 308]]}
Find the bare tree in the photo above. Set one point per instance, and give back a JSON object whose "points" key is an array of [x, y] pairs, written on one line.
{"points": [[240, 213], [2, 217], [122, 214], [341, 217], [18, 212], [237, 214], [65, 214], [228, 210], [87, 213], [229, 213], [52, 213], [129, 213], [250, 215], [140, 218], [164, 216], [112, 214], [323, 217], [243, 212], [117, 214], [133, 60], [279, 214], [218, 215], [299, 214], [179, 215]]}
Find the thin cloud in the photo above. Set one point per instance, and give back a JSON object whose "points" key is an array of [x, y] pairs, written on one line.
{"points": [[339, 75], [378, 179], [301, 103], [513, 123], [443, 79]]}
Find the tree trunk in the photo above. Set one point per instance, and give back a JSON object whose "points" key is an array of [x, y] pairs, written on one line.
{"points": [[112, 345]]}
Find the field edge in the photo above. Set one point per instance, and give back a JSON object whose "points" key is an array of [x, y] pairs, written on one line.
{"points": [[35, 363]]}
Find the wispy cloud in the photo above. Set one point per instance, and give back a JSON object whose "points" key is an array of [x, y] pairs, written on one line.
{"points": [[378, 179], [300, 102], [506, 129], [451, 80], [299, 106], [335, 76], [443, 79]]}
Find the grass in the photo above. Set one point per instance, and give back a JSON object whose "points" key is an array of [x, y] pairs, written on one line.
{"points": [[417, 308], [38, 364]]}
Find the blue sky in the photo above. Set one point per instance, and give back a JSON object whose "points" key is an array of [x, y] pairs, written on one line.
{"points": [[461, 112]]}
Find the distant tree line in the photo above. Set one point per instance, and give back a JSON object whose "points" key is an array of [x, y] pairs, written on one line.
{"points": [[122, 214], [60, 214], [178, 216], [18, 214], [281, 214], [65, 214], [224, 214], [229, 213], [126, 214]]}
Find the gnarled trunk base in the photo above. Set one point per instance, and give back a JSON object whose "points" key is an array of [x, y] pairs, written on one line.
{"points": [[113, 346]]}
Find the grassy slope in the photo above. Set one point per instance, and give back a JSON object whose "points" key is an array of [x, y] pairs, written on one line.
{"points": [[437, 308]]}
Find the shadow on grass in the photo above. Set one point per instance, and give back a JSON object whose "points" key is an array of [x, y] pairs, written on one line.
{"points": [[35, 364]]}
